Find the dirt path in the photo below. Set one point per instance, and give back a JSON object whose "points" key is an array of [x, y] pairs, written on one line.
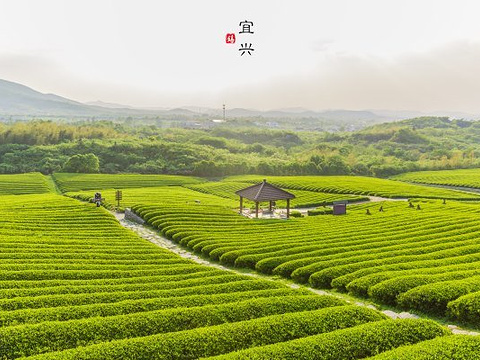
{"points": [[152, 236], [379, 198]]}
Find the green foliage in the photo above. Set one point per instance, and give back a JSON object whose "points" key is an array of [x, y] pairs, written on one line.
{"points": [[434, 298], [218, 143], [296, 214], [79, 163], [355, 343], [256, 136], [171, 195], [75, 284], [60, 335], [461, 178], [321, 211], [356, 185], [220, 339], [47, 132], [382, 150], [466, 308], [387, 291], [458, 347], [71, 275], [365, 255], [75, 182], [64, 313], [33, 183], [227, 189], [408, 136]]}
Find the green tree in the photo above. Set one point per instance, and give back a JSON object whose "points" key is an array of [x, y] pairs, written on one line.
{"points": [[86, 163]]}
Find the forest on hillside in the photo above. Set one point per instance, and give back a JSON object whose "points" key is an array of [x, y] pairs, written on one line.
{"points": [[427, 143]]}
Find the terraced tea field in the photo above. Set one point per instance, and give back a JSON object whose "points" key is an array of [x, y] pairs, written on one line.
{"points": [[172, 196], [357, 185], [425, 260], [214, 193], [76, 182], [462, 178], [32, 183], [74, 284]]}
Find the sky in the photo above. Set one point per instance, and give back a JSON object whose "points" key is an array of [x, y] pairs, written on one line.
{"points": [[417, 55]]}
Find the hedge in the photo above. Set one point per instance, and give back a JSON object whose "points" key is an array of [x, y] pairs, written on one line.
{"points": [[466, 308], [53, 336], [434, 298], [458, 347], [220, 339], [353, 343]]}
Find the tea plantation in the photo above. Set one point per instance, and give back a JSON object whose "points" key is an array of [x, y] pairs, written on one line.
{"points": [[209, 193], [75, 284], [463, 178], [75, 182], [423, 257], [226, 189], [172, 196], [358, 185], [32, 183]]}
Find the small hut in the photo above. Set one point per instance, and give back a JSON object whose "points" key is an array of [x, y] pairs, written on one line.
{"points": [[264, 192], [339, 207]]}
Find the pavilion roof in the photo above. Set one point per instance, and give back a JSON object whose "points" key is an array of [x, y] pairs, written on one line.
{"points": [[264, 192]]}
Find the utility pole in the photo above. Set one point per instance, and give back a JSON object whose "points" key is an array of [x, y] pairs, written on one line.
{"points": [[223, 112]]}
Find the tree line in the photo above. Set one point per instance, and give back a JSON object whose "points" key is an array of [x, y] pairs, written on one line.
{"points": [[108, 147]]}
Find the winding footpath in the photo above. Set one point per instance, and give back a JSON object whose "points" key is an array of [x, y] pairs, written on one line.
{"points": [[149, 234]]}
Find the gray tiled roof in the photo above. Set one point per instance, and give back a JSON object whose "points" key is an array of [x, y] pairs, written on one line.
{"points": [[264, 192]]}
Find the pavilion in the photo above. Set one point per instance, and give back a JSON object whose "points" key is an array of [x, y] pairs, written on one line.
{"points": [[264, 192]]}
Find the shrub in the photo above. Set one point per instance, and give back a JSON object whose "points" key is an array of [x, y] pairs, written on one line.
{"points": [[433, 298], [296, 214], [353, 343], [220, 339], [54, 336], [466, 308], [458, 347], [324, 211]]}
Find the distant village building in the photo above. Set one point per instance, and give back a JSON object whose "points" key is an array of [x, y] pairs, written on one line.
{"points": [[272, 124]]}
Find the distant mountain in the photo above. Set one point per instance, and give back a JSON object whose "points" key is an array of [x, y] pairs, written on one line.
{"points": [[400, 115], [346, 115], [20, 100], [108, 105], [17, 99], [293, 110], [181, 111], [297, 112]]}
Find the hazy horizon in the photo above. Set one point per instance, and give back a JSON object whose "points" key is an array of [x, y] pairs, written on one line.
{"points": [[319, 55]]}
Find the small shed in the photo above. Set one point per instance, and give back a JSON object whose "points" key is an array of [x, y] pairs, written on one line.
{"points": [[339, 207], [264, 192]]}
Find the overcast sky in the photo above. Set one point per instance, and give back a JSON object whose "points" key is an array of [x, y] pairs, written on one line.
{"points": [[370, 54]]}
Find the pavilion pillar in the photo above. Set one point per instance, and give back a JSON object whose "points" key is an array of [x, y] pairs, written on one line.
{"points": [[241, 205], [270, 206], [288, 208], [256, 209]]}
